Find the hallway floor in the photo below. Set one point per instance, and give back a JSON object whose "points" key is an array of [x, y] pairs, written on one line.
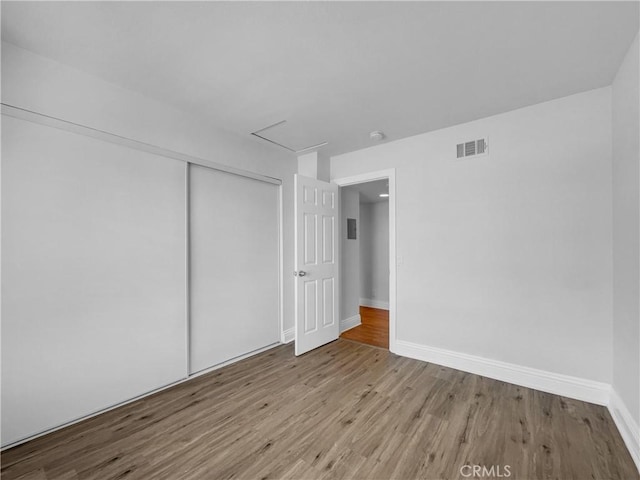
{"points": [[374, 329]]}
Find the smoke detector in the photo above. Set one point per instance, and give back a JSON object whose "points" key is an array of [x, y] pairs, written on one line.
{"points": [[376, 136]]}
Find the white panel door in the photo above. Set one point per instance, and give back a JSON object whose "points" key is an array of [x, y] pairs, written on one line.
{"points": [[234, 265], [316, 288], [93, 275]]}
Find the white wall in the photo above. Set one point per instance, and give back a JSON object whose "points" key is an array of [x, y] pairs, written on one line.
{"points": [[308, 165], [349, 255], [626, 230], [374, 253], [507, 257], [45, 86]]}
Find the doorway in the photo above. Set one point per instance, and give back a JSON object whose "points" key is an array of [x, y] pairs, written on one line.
{"points": [[368, 259]]}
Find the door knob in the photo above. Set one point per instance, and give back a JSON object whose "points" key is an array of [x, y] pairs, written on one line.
{"points": [[300, 273]]}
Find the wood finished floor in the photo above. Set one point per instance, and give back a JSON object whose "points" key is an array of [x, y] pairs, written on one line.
{"points": [[374, 329], [343, 411]]}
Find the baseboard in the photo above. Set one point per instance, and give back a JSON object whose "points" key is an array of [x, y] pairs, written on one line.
{"points": [[558, 384], [369, 302], [289, 335], [627, 426], [349, 323]]}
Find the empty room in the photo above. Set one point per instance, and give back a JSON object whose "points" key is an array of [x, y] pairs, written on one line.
{"points": [[311, 240]]}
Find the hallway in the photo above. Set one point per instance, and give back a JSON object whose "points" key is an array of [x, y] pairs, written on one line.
{"points": [[374, 329]]}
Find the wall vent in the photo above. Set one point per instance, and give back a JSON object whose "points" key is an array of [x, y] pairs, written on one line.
{"points": [[473, 148]]}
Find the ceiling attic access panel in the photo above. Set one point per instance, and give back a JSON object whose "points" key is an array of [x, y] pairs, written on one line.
{"points": [[294, 139]]}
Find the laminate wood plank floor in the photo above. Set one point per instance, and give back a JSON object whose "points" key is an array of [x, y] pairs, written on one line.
{"points": [[374, 329], [342, 411]]}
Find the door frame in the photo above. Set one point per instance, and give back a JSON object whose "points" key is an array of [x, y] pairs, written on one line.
{"points": [[390, 175]]}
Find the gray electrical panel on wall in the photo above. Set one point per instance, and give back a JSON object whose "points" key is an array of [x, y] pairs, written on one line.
{"points": [[351, 229]]}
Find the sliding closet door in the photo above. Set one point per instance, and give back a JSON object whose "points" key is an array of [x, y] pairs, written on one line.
{"points": [[234, 284], [93, 275]]}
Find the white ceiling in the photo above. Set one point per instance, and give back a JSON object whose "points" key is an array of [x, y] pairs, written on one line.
{"points": [[370, 191], [335, 70]]}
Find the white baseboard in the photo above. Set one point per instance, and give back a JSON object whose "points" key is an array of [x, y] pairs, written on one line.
{"points": [[565, 385], [349, 323], [627, 426], [558, 384], [289, 335], [369, 302]]}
